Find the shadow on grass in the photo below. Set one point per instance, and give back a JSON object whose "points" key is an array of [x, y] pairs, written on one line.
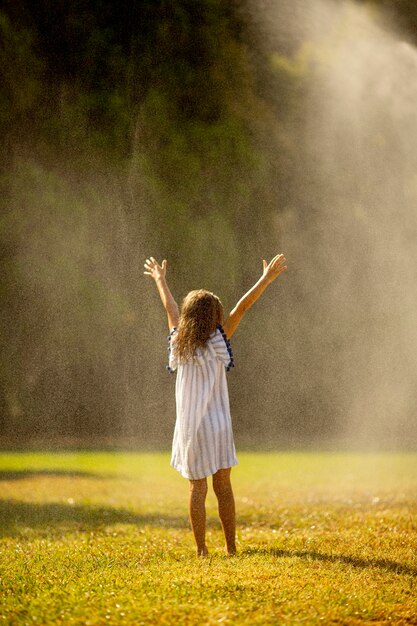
{"points": [[22, 474], [55, 517], [386, 564]]}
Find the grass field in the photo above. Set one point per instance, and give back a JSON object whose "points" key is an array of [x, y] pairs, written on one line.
{"points": [[103, 538]]}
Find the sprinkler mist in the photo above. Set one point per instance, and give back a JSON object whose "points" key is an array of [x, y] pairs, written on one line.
{"points": [[330, 357], [359, 185]]}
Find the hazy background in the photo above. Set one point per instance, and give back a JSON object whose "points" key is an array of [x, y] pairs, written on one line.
{"points": [[213, 134]]}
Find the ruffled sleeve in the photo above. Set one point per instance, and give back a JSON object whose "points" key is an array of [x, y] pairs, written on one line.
{"points": [[172, 359], [222, 347]]}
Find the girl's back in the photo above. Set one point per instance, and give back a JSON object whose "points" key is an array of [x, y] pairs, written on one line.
{"points": [[203, 438]]}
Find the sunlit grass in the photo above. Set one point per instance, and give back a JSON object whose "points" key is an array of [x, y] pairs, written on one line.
{"points": [[103, 538]]}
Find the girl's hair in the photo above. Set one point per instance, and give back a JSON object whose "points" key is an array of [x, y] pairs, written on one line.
{"points": [[201, 312]]}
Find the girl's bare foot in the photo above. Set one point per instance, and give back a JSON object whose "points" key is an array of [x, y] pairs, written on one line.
{"points": [[202, 552]]}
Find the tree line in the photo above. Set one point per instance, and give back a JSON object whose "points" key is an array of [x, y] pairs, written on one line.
{"points": [[166, 127]]}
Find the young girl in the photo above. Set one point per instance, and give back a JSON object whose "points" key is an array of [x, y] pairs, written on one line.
{"points": [[199, 349]]}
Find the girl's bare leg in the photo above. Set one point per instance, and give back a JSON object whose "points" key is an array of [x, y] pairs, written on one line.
{"points": [[197, 507], [223, 490]]}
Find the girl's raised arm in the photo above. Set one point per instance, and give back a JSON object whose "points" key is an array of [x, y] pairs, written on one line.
{"points": [[270, 272], [158, 272]]}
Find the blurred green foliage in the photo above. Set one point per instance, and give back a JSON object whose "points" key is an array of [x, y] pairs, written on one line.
{"points": [[158, 127]]}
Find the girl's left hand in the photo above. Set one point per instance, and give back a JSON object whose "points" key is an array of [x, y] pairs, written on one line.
{"points": [[155, 270], [274, 268]]}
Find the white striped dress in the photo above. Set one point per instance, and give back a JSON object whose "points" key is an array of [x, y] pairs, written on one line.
{"points": [[203, 437]]}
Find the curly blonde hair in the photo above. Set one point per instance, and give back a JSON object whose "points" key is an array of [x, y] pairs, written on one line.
{"points": [[201, 312]]}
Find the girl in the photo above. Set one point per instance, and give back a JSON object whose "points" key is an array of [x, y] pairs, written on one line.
{"points": [[199, 349]]}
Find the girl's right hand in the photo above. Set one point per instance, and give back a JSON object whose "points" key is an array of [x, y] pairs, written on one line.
{"points": [[274, 268], [155, 270]]}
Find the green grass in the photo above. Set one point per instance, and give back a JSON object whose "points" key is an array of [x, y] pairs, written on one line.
{"points": [[103, 538]]}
